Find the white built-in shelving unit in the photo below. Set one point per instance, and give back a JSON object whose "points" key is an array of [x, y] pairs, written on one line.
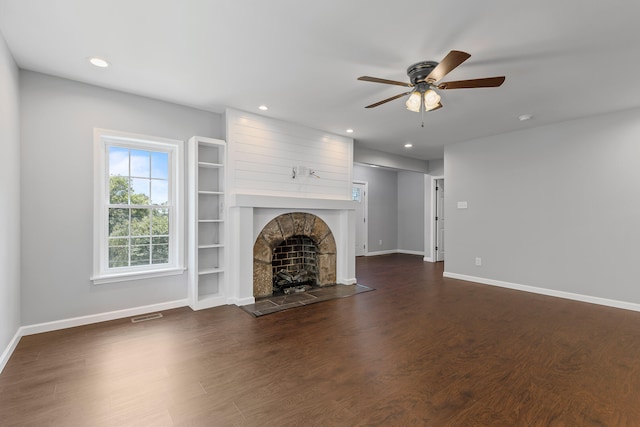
{"points": [[206, 222]]}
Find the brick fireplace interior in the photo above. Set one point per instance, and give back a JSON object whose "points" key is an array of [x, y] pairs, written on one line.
{"points": [[294, 265], [295, 246]]}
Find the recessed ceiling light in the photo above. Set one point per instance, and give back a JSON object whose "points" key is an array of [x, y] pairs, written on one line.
{"points": [[263, 108], [99, 62], [408, 145], [349, 130], [525, 117]]}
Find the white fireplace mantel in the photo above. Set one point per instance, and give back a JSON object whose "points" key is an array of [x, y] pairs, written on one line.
{"points": [[248, 213], [283, 202]]}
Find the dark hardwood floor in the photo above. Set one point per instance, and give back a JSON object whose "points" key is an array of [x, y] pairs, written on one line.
{"points": [[419, 350]]}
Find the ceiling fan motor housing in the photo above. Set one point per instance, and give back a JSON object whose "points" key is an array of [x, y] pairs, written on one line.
{"points": [[420, 70]]}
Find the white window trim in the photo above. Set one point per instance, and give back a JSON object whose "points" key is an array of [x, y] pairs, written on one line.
{"points": [[101, 272]]}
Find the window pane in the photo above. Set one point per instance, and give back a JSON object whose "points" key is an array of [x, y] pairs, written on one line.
{"points": [[118, 161], [119, 256], [119, 190], [140, 191], [160, 222], [140, 222], [137, 241], [140, 255], [159, 192], [141, 163], [160, 240], [118, 222], [159, 165], [355, 194], [122, 241], [160, 254]]}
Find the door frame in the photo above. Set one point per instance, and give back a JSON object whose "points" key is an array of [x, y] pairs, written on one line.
{"points": [[365, 212], [432, 220]]}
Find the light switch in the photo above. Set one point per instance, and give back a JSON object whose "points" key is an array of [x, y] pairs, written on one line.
{"points": [[462, 205]]}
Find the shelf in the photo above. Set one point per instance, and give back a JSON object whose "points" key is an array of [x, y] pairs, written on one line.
{"points": [[208, 301], [207, 201], [211, 271], [210, 165]]}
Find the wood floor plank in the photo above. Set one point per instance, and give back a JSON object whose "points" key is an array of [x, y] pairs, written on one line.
{"points": [[419, 350]]}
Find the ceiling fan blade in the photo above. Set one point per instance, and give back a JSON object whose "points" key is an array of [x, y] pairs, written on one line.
{"points": [[468, 84], [448, 64], [387, 100], [385, 81]]}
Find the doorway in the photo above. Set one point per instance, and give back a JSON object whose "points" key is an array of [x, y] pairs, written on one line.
{"points": [[434, 240], [359, 195]]}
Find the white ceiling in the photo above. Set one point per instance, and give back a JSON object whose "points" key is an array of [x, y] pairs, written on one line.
{"points": [[562, 59]]}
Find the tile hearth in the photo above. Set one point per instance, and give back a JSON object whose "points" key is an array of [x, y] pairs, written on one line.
{"points": [[275, 303]]}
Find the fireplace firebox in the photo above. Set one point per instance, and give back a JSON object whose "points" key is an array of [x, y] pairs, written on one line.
{"points": [[293, 250], [294, 265]]}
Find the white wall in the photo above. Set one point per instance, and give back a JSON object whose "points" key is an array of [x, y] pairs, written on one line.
{"points": [[383, 206], [10, 196], [58, 117], [555, 207], [411, 207], [262, 153]]}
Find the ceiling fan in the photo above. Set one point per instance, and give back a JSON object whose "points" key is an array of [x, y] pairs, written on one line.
{"points": [[424, 77]]}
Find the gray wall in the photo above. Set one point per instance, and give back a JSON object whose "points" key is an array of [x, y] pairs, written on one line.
{"points": [[396, 208], [58, 117], [10, 196], [411, 224], [375, 157], [436, 167], [383, 206], [554, 207]]}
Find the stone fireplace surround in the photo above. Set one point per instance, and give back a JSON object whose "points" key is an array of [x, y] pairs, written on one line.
{"points": [[282, 228], [248, 215]]}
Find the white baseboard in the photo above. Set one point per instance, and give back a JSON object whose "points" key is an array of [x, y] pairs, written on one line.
{"points": [[348, 281], [100, 317], [549, 292], [394, 251], [83, 320], [427, 259], [408, 252], [6, 354], [376, 253], [241, 301]]}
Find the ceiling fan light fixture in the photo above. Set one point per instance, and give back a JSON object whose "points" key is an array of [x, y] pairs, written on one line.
{"points": [[431, 99], [414, 102]]}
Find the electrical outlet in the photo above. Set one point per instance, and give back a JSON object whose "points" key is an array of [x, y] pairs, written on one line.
{"points": [[478, 261]]}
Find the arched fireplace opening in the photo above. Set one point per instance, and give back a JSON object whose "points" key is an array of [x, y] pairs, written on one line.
{"points": [[301, 237]]}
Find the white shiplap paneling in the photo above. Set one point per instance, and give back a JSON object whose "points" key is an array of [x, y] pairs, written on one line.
{"points": [[262, 153]]}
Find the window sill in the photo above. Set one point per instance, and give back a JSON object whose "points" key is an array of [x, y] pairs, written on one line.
{"points": [[121, 277]]}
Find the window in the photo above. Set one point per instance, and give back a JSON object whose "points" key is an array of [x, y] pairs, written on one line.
{"points": [[356, 194], [138, 211]]}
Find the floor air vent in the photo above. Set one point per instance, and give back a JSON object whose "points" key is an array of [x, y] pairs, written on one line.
{"points": [[146, 317]]}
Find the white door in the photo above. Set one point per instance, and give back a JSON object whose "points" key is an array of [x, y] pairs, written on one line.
{"points": [[439, 220], [359, 195]]}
